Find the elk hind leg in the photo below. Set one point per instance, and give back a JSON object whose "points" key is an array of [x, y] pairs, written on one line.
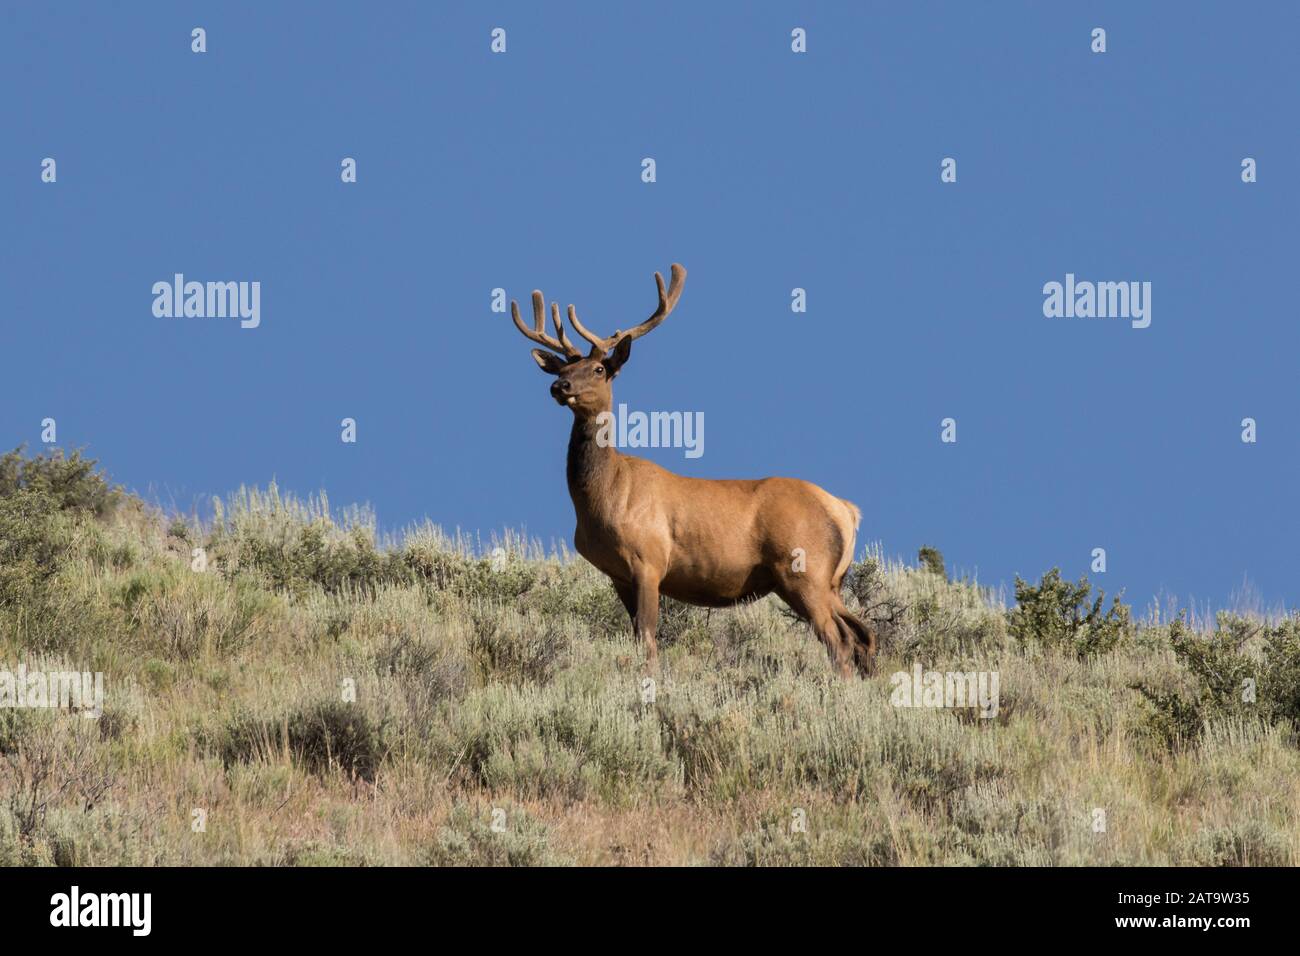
{"points": [[818, 612], [627, 594], [858, 635]]}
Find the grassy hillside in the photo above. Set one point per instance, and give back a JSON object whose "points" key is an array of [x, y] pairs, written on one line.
{"points": [[506, 689]]}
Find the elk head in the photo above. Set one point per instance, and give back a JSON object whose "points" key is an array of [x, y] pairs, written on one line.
{"points": [[582, 381]]}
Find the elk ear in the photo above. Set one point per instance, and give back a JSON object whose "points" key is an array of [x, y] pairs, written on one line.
{"points": [[548, 361], [622, 351]]}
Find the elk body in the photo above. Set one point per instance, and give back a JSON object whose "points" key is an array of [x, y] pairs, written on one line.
{"points": [[713, 543]]}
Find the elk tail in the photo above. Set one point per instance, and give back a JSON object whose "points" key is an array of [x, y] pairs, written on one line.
{"points": [[846, 527]]}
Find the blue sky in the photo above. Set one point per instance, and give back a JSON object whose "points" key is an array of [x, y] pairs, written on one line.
{"points": [[774, 171]]}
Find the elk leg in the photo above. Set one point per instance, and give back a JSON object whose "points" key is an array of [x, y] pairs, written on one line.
{"points": [[858, 635], [647, 618], [818, 613], [627, 594], [828, 630]]}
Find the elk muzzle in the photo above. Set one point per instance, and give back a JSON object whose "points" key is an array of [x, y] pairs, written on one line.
{"points": [[562, 391]]}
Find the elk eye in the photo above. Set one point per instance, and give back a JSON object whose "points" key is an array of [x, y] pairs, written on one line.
{"points": [[600, 370]]}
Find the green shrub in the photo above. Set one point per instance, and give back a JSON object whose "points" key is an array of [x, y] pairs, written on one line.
{"points": [[318, 854], [1056, 613], [14, 725], [71, 483], [503, 578], [823, 734], [35, 537], [931, 559], [776, 842], [1246, 668], [468, 839], [678, 623], [921, 615], [322, 736], [587, 597], [429, 669], [46, 756], [1250, 843], [105, 835], [316, 555], [557, 742], [295, 546], [941, 625], [518, 649]]}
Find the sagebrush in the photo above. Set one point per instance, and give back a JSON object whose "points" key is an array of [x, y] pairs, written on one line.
{"points": [[324, 694]]}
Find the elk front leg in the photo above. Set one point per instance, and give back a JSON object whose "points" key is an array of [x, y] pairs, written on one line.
{"points": [[647, 619]]}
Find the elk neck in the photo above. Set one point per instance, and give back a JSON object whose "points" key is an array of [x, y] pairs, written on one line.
{"points": [[591, 464]]}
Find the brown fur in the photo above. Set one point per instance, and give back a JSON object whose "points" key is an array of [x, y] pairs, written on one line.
{"points": [[707, 542]]}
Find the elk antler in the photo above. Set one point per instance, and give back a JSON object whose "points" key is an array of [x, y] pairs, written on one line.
{"points": [[562, 345], [667, 302]]}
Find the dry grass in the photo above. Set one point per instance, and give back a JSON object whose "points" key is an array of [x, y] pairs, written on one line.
{"points": [[508, 690]]}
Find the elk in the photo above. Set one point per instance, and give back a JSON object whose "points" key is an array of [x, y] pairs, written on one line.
{"points": [[712, 543]]}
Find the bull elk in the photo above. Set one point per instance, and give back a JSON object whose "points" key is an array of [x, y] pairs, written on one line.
{"points": [[713, 543]]}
